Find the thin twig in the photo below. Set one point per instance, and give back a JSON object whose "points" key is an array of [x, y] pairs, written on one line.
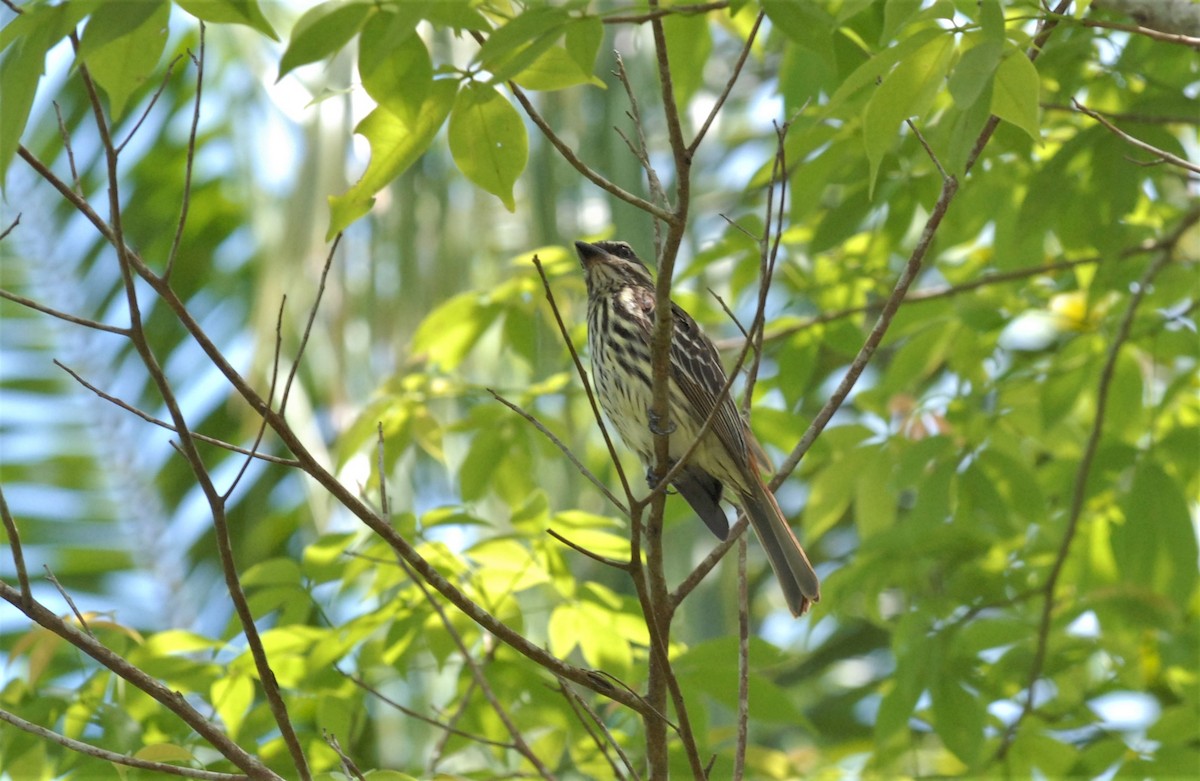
{"points": [[164, 424], [88, 749], [599, 722], [733, 77], [262, 423], [574, 702], [18, 556], [583, 378], [1079, 495], [153, 99], [173, 701], [1162, 154], [66, 139], [498, 708], [1149, 32], [412, 714], [659, 13], [11, 227], [348, 766], [191, 156], [312, 316], [70, 602], [743, 709], [129, 265], [75, 319], [606, 561], [566, 451]]}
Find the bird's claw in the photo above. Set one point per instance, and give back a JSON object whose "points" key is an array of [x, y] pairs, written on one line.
{"points": [[652, 481], [656, 426]]}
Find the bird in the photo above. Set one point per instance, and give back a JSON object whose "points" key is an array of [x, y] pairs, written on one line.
{"points": [[620, 327]]}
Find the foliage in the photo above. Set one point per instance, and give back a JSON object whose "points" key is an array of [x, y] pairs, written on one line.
{"points": [[1003, 510]]}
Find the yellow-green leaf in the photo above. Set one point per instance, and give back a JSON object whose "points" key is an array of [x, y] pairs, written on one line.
{"points": [[1016, 93], [395, 145], [488, 141]]}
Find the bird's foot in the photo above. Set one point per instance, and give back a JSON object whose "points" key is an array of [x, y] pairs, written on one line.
{"points": [[656, 424], [652, 480]]}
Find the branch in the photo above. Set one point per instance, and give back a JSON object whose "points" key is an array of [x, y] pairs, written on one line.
{"points": [[164, 424], [191, 156], [112, 756], [129, 265], [18, 556], [1079, 495], [29, 303], [173, 701], [1162, 154], [733, 77], [412, 714], [659, 13], [481, 681], [566, 451]]}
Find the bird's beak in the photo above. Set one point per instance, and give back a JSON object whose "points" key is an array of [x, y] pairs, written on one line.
{"points": [[589, 253]]}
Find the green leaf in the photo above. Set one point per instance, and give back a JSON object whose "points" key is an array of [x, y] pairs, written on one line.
{"points": [[395, 146], [907, 91], [689, 44], [455, 14], [394, 65], [513, 47], [449, 332], [554, 69], [958, 717], [874, 501], [122, 46], [322, 31], [488, 140], [232, 696], [230, 12], [21, 70], [1016, 93], [583, 42], [1156, 545], [805, 22], [975, 71]]}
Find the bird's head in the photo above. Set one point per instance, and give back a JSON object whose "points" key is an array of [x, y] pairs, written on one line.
{"points": [[612, 265]]}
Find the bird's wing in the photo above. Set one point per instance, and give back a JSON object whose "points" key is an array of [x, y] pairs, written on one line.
{"points": [[700, 376]]}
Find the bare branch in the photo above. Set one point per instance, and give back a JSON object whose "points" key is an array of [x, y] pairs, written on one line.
{"points": [[583, 378], [111, 756], [11, 227], [18, 556], [587, 718], [733, 77], [67, 598], [566, 451], [1079, 495], [590, 554], [412, 714], [481, 681], [743, 709], [66, 139], [312, 316], [173, 701], [659, 13], [1162, 154], [153, 99], [29, 303], [164, 424], [191, 156]]}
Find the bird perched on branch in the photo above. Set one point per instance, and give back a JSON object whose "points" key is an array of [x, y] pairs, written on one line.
{"points": [[621, 318]]}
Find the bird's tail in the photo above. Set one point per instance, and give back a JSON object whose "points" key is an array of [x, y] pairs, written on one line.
{"points": [[796, 576]]}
